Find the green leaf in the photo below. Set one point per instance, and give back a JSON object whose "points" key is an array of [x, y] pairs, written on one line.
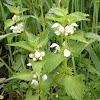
{"points": [[8, 23], [8, 35], [12, 2], [74, 86], [14, 9], [92, 36], [52, 60], [26, 75], [2, 79], [37, 66], [94, 58], [43, 38], [23, 44], [77, 36]]}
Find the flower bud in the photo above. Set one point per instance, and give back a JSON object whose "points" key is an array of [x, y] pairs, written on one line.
{"points": [[37, 54], [34, 82], [34, 76], [34, 59], [67, 53], [44, 77], [31, 55], [42, 54]]}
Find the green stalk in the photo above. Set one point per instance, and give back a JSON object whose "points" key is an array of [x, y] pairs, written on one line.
{"points": [[73, 61], [6, 66]]}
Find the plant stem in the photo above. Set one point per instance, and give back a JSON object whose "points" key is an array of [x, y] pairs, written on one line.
{"points": [[73, 61], [6, 65]]}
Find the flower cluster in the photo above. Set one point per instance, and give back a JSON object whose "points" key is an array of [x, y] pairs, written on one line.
{"points": [[18, 28], [16, 18], [68, 30], [67, 53], [35, 82], [37, 55]]}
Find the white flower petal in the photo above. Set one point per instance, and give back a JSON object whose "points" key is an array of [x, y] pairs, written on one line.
{"points": [[37, 54], [35, 76], [57, 32], [67, 53], [31, 55], [55, 25], [44, 77], [74, 24], [34, 59], [54, 45], [29, 64], [61, 29], [34, 82], [42, 54], [67, 29]]}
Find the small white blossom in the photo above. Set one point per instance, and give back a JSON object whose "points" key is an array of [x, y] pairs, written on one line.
{"points": [[31, 55], [18, 28], [74, 24], [44, 77], [40, 58], [61, 29], [67, 30], [34, 82], [67, 53], [16, 18], [29, 64], [42, 54], [55, 25], [34, 76], [34, 59], [56, 95], [56, 47], [37, 54], [57, 33]]}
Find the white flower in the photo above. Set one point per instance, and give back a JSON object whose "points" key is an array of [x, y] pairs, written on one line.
{"points": [[37, 54], [16, 18], [29, 64], [34, 59], [67, 53], [18, 28], [67, 30], [57, 32], [55, 25], [56, 47], [61, 29], [63, 44], [42, 54], [56, 95], [31, 55], [40, 58], [34, 82], [34, 76], [44, 77], [74, 24]]}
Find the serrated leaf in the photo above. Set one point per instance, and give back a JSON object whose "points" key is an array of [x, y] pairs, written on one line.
{"points": [[8, 35], [23, 44], [26, 75], [8, 23], [14, 9], [92, 36], [77, 36], [52, 60], [74, 86]]}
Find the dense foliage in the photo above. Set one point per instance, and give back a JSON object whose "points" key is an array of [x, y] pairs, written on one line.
{"points": [[49, 49]]}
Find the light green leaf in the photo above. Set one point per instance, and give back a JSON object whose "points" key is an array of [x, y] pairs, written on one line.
{"points": [[77, 36], [94, 58], [74, 86], [26, 75], [37, 66], [1, 64], [8, 35], [92, 36], [8, 23], [52, 60], [2, 79], [23, 44], [12, 2], [14, 9]]}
